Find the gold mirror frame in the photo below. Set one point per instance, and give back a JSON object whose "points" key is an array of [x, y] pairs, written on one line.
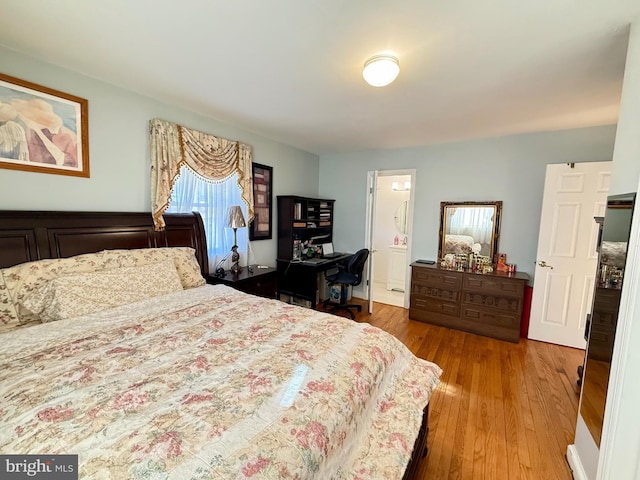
{"points": [[495, 227]]}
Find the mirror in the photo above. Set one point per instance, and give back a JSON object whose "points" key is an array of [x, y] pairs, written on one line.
{"points": [[469, 227], [612, 259], [401, 218]]}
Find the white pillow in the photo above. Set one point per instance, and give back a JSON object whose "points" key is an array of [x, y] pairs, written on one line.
{"points": [[184, 258], [27, 278], [83, 293]]}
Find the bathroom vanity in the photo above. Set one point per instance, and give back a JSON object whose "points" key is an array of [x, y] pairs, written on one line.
{"points": [[397, 268]]}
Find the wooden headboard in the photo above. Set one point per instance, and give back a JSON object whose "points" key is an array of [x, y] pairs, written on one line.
{"points": [[26, 236]]}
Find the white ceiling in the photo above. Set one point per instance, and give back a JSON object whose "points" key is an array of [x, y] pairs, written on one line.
{"points": [[291, 69]]}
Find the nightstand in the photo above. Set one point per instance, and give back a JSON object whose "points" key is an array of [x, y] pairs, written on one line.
{"points": [[262, 282]]}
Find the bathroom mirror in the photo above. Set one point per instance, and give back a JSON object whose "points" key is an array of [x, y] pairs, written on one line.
{"points": [[401, 218], [469, 227]]}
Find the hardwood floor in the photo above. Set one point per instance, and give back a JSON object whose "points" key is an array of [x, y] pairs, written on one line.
{"points": [[501, 411]]}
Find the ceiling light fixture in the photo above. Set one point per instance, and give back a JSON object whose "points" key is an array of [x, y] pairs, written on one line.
{"points": [[381, 70]]}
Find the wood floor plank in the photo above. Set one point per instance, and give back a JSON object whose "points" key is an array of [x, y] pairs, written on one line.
{"points": [[497, 446], [450, 412], [501, 411], [515, 432]]}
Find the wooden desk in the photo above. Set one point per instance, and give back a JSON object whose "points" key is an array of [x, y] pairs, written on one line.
{"points": [[300, 279], [262, 282]]}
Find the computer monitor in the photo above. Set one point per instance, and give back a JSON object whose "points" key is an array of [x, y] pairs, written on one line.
{"points": [[315, 240]]}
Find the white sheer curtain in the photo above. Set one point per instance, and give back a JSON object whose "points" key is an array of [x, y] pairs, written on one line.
{"points": [[193, 193], [473, 221]]}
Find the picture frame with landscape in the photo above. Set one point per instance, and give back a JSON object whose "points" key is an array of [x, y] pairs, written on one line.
{"points": [[42, 130]]}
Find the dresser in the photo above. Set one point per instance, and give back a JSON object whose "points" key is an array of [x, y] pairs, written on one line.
{"points": [[486, 304]]}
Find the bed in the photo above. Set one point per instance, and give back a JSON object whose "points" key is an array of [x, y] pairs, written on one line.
{"points": [[613, 254], [195, 381], [461, 244]]}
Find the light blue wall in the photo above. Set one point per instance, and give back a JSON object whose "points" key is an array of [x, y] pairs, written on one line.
{"points": [[510, 169], [119, 151]]}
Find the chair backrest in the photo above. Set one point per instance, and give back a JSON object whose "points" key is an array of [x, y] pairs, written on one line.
{"points": [[356, 264]]}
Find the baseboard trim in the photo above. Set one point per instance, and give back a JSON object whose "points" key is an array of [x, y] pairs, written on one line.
{"points": [[577, 470]]}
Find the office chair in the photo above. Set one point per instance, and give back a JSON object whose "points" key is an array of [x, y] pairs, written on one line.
{"points": [[351, 274]]}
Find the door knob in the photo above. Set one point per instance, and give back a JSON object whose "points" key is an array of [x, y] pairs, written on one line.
{"points": [[543, 264]]}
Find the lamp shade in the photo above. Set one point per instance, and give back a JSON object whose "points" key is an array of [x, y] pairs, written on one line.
{"points": [[381, 70], [235, 218]]}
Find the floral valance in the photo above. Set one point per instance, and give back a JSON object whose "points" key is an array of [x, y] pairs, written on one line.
{"points": [[215, 159]]}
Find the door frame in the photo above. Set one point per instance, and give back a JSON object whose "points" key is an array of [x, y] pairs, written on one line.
{"points": [[372, 185]]}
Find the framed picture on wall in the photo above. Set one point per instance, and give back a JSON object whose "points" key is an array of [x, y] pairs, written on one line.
{"points": [[42, 130], [260, 228]]}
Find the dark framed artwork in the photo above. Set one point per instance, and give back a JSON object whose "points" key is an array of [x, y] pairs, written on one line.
{"points": [[42, 130], [260, 228]]}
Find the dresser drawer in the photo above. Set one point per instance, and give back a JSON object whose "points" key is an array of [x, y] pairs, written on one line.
{"points": [[490, 317], [495, 302], [601, 342], [480, 283], [604, 318], [602, 333], [435, 292], [438, 278], [435, 306], [607, 300], [261, 282], [264, 289]]}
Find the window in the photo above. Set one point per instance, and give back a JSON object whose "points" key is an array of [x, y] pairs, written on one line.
{"points": [[193, 193]]}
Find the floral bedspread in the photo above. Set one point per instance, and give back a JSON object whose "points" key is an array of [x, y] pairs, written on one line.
{"points": [[210, 383]]}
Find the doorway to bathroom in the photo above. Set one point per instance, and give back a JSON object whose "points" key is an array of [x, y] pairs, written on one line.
{"points": [[390, 207]]}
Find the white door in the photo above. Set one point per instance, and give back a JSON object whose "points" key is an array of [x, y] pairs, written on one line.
{"points": [[373, 229], [566, 260], [372, 182]]}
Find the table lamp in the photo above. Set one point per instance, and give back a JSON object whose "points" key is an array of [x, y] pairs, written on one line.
{"points": [[235, 220]]}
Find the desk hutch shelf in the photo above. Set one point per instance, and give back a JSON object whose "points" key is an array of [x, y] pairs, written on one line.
{"points": [[303, 218]]}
